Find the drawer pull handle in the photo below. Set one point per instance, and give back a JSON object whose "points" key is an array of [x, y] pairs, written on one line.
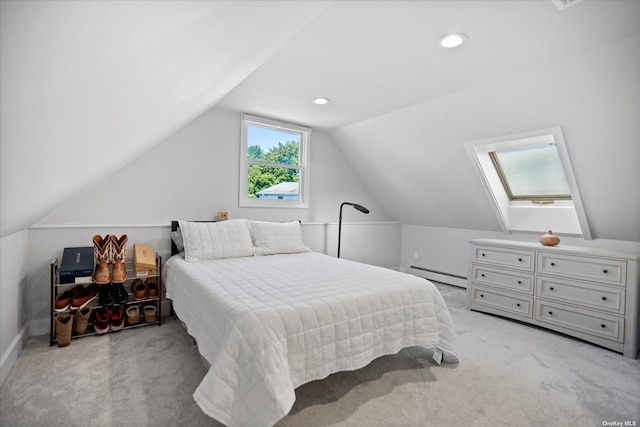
{"points": [[520, 259], [604, 298], [551, 288], [603, 325], [483, 255], [553, 264], [481, 295], [519, 282], [605, 271], [482, 275], [551, 312], [518, 304]]}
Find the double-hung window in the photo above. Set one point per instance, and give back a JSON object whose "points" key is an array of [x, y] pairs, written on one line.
{"points": [[274, 170]]}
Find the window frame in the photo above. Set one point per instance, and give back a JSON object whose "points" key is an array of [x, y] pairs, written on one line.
{"points": [[534, 198], [563, 216], [303, 164]]}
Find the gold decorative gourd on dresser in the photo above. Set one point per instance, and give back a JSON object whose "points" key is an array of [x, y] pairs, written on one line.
{"points": [[549, 239]]}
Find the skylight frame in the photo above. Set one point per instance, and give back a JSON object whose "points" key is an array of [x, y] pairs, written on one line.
{"points": [[565, 217], [534, 198]]}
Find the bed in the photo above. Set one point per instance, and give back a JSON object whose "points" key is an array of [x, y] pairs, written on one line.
{"points": [[269, 315]]}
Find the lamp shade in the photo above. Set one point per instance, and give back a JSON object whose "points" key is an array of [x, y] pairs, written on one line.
{"points": [[360, 208]]}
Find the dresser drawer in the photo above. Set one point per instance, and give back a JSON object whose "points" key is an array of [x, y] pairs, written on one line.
{"points": [[601, 270], [593, 323], [587, 295], [521, 305], [507, 279], [506, 257]]}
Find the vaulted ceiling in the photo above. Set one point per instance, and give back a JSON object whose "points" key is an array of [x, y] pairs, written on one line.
{"points": [[85, 86], [372, 58]]}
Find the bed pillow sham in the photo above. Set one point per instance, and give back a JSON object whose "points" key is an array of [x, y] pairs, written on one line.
{"points": [[271, 238], [216, 240]]}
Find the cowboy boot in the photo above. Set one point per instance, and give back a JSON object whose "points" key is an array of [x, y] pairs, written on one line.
{"points": [[64, 325], [82, 320], [101, 254], [118, 252]]}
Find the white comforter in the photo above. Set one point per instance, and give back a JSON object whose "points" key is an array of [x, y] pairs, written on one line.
{"points": [[269, 324]]}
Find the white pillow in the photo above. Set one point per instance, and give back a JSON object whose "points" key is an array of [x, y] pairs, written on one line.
{"points": [[214, 240], [270, 238]]}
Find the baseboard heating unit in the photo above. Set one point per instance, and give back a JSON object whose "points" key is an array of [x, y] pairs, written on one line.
{"points": [[440, 276]]}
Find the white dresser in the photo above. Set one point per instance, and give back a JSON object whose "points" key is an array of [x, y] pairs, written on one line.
{"points": [[586, 293]]}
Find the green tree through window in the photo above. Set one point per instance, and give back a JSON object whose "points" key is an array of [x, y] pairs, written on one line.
{"points": [[264, 176], [255, 152]]}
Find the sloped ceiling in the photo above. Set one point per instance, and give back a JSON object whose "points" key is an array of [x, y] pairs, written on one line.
{"points": [[86, 86], [372, 58]]}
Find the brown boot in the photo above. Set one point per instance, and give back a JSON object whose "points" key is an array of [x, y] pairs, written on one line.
{"points": [[101, 252], [133, 314], [149, 312], [64, 325], [82, 320], [118, 252]]}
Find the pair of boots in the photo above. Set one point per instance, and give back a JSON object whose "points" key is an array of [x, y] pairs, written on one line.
{"points": [[149, 313], [64, 325], [109, 250]]}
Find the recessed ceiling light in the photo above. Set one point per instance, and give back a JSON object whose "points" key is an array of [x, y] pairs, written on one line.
{"points": [[321, 101], [452, 40]]}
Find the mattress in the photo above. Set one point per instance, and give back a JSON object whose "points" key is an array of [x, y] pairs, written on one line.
{"points": [[268, 324]]}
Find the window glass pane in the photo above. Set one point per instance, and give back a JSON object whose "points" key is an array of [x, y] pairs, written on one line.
{"points": [[534, 172], [275, 183], [272, 145]]}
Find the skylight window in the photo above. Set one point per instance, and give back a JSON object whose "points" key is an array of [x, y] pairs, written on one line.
{"points": [[529, 181], [532, 173]]}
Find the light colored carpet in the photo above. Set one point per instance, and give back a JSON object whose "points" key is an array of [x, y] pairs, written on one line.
{"points": [[509, 374]]}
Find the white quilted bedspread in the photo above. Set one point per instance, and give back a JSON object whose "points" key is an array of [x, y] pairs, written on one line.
{"points": [[269, 324]]}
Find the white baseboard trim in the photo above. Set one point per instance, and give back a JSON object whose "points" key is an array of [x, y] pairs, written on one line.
{"points": [[11, 355]]}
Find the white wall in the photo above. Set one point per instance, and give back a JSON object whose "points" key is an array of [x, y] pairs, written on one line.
{"points": [[446, 249], [194, 173], [415, 160], [375, 243], [13, 293]]}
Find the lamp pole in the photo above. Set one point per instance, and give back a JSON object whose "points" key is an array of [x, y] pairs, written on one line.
{"points": [[355, 205]]}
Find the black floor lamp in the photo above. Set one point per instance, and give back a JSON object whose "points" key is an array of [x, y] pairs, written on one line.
{"points": [[355, 205]]}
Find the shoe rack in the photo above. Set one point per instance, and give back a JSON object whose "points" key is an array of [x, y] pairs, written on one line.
{"points": [[57, 289]]}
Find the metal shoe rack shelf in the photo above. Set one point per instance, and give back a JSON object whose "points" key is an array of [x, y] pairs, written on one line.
{"points": [[58, 288]]}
